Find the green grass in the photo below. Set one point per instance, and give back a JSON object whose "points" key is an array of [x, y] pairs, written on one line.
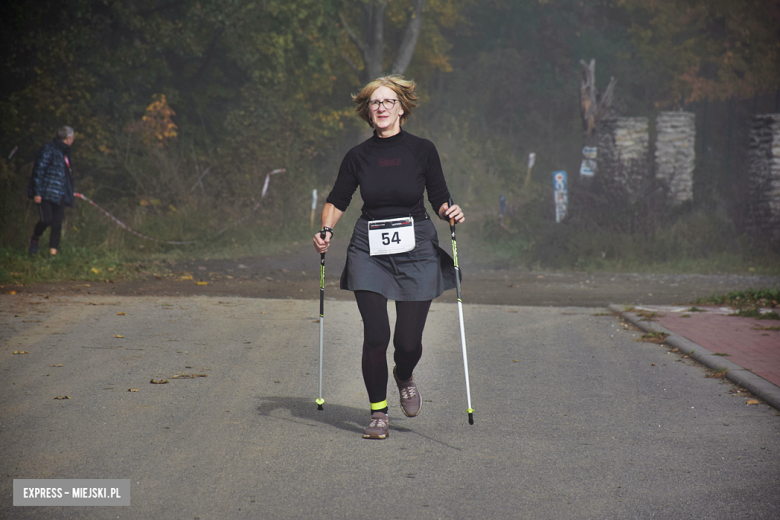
{"points": [[691, 242], [748, 298], [119, 255], [71, 263]]}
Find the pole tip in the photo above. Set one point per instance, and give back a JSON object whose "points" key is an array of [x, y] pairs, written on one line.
{"points": [[471, 416], [320, 402]]}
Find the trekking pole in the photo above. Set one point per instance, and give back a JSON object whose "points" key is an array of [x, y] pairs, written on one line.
{"points": [[470, 410], [320, 401]]}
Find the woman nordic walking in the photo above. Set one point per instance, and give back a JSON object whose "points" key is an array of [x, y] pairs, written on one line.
{"points": [[394, 251]]}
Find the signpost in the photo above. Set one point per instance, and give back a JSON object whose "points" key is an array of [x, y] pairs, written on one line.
{"points": [[561, 195], [588, 166]]}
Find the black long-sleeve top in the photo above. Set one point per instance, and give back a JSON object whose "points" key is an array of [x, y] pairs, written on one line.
{"points": [[392, 173]]}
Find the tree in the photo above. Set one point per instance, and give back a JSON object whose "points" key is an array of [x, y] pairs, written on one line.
{"points": [[396, 25], [709, 48], [592, 106]]}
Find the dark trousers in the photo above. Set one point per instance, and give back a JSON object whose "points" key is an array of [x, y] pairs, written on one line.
{"points": [[407, 340], [51, 215]]}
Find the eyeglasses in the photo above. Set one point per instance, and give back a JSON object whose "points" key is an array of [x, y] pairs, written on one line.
{"points": [[387, 103]]}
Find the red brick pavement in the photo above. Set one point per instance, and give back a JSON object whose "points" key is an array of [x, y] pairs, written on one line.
{"points": [[745, 340]]}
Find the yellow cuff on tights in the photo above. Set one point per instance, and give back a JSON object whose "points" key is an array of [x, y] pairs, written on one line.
{"points": [[379, 406]]}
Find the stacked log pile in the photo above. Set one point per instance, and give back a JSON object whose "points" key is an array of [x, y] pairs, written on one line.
{"points": [[764, 177], [623, 149], [675, 153]]}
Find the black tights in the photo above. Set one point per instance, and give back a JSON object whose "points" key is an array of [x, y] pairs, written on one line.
{"points": [[407, 340]]}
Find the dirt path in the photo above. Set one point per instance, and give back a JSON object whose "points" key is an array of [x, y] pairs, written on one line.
{"points": [[294, 273]]}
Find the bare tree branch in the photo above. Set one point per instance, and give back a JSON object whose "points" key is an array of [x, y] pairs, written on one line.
{"points": [[354, 38], [605, 103], [588, 103], [409, 41], [351, 63], [199, 182]]}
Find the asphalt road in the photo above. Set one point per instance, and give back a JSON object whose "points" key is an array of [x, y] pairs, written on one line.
{"points": [[574, 417]]}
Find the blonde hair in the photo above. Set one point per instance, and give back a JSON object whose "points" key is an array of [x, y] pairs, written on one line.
{"points": [[403, 88]]}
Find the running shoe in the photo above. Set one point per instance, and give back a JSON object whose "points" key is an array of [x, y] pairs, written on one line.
{"points": [[33, 249], [379, 427], [411, 403]]}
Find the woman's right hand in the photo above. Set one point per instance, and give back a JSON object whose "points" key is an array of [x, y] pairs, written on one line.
{"points": [[330, 216], [322, 244], [37, 199]]}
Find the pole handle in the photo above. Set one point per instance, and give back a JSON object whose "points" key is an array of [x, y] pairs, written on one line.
{"points": [[449, 205]]}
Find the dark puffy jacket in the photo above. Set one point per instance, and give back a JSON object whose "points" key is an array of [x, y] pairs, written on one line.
{"points": [[51, 176]]}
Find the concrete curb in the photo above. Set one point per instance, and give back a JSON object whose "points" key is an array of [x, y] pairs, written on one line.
{"points": [[735, 373]]}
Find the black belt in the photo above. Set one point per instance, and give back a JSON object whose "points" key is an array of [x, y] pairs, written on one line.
{"points": [[417, 218]]}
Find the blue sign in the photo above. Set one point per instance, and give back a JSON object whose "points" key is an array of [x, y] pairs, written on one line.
{"points": [[561, 194]]}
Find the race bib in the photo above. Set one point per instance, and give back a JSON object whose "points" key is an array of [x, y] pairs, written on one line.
{"points": [[388, 237]]}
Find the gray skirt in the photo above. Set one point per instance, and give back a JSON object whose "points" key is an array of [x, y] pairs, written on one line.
{"points": [[421, 274]]}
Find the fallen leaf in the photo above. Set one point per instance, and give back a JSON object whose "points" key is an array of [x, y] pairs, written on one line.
{"points": [[652, 364], [20, 352], [132, 389], [516, 360], [120, 313], [60, 365], [654, 337], [159, 381], [95, 270], [186, 278], [62, 397], [189, 376], [13, 292], [753, 401], [202, 283], [118, 336]]}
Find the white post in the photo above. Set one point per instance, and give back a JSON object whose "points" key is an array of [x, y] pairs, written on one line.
{"points": [[313, 206]]}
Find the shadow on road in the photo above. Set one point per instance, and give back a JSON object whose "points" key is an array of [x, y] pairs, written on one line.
{"points": [[301, 411], [342, 417]]}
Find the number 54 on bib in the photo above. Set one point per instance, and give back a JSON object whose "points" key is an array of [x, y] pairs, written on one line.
{"points": [[388, 237]]}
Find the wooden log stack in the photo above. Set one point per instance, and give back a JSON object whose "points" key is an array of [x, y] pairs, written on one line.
{"points": [[764, 177], [675, 153], [623, 150]]}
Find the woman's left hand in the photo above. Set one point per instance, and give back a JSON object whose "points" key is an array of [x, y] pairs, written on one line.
{"points": [[454, 213]]}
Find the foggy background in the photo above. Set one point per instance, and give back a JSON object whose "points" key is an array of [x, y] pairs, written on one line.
{"points": [[181, 108]]}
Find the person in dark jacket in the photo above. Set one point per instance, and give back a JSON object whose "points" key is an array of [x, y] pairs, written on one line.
{"points": [[51, 187]]}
